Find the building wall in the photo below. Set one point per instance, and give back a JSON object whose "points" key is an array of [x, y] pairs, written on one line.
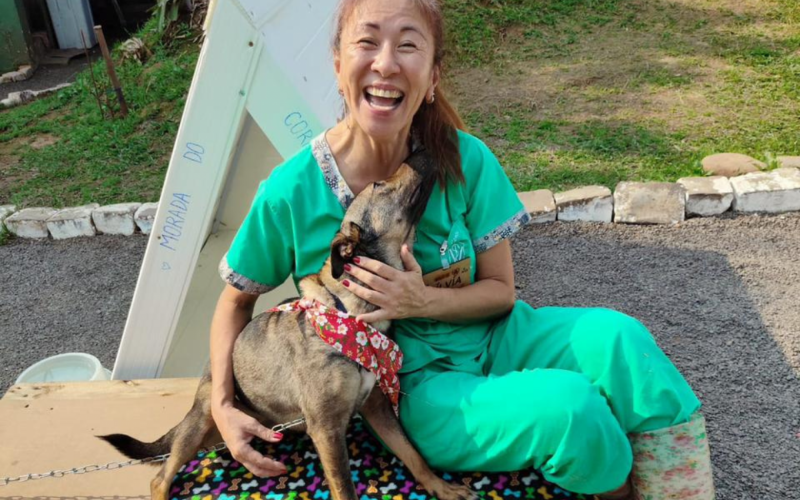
{"points": [[14, 35]]}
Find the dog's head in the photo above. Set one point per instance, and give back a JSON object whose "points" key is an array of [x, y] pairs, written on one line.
{"points": [[384, 215]]}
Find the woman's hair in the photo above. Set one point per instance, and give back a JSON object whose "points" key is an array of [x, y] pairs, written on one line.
{"points": [[435, 124]]}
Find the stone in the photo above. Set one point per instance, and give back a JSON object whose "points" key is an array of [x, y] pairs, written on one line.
{"points": [[649, 203], [789, 161], [5, 211], [145, 216], [21, 74], [26, 71], [731, 164], [116, 219], [30, 222], [706, 196], [540, 204], [590, 203], [774, 192], [16, 98], [72, 222]]}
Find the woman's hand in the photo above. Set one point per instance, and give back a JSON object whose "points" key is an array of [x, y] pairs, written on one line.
{"points": [[237, 430], [398, 294]]}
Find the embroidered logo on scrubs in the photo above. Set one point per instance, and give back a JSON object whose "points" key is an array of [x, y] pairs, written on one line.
{"points": [[358, 341], [454, 249]]}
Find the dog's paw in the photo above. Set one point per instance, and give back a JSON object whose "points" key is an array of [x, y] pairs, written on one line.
{"points": [[449, 491]]}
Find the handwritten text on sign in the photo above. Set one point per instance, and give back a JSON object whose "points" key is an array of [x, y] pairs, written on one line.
{"points": [[298, 127], [194, 152], [173, 225]]}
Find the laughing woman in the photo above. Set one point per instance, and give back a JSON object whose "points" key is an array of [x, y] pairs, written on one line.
{"points": [[584, 395]]}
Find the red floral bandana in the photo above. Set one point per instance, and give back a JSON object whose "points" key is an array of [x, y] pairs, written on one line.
{"points": [[357, 340]]}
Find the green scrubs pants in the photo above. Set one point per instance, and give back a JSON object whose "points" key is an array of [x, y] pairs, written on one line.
{"points": [[558, 389]]}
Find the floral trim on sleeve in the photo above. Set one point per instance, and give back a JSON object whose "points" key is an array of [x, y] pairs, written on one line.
{"points": [[333, 178], [505, 230], [239, 282]]}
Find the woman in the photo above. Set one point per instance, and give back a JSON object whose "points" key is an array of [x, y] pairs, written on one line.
{"points": [[492, 384]]}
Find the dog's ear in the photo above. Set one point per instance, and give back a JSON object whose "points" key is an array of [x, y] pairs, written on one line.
{"points": [[343, 248]]}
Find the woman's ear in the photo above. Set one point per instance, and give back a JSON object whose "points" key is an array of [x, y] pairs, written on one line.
{"points": [[435, 80]]}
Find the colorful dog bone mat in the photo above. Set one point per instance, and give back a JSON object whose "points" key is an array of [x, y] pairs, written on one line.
{"points": [[377, 474]]}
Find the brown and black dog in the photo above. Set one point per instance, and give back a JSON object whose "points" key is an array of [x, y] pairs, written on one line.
{"points": [[283, 370]]}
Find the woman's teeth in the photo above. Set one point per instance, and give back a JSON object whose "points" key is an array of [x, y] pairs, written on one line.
{"points": [[383, 98]]}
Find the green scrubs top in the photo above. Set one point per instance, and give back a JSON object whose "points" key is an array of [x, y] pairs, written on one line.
{"points": [[299, 208]]}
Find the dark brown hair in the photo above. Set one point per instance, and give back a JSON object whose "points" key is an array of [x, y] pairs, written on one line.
{"points": [[435, 124]]}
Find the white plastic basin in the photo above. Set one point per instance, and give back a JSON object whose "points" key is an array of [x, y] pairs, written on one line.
{"points": [[71, 366]]}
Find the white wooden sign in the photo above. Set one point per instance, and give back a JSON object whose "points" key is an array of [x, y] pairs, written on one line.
{"points": [[263, 87]]}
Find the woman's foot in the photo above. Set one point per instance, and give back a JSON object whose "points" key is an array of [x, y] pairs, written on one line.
{"points": [[624, 492]]}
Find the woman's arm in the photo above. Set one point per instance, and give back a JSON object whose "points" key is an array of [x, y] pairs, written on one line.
{"points": [[493, 293], [234, 310], [403, 294]]}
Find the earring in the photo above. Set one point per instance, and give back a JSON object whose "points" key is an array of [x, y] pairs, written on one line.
{"points": [[341, 92], [433, 97]]}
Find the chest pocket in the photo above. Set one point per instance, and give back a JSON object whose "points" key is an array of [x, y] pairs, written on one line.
{"points": [[457, 257]]}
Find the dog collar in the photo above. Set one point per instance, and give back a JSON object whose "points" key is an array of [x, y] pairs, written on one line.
{"points": [[357, 340]]}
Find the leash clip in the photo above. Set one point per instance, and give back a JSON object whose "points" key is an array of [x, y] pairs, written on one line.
{"points": [[281, 427]]}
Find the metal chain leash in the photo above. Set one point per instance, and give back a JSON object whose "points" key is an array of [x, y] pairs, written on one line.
{"points": [[5, 481]]}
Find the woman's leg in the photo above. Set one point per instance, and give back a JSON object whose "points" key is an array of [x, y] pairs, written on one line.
{"points": [[553, 420], [614, 351], [648, 396]]}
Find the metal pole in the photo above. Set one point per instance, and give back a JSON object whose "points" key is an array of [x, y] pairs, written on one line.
{"points": [[123, 107]]}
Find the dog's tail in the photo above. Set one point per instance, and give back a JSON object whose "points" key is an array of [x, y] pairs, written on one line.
{"points": [[138, 450]]}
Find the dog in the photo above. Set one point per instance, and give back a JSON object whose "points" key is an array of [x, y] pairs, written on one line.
{"points": [[282, 368]]}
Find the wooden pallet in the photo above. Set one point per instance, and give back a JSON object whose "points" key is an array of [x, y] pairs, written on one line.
{"points": [[53, 426]]}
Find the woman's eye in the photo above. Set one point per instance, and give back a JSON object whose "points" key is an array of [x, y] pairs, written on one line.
{"points": [[367, 42], [408, 45]]}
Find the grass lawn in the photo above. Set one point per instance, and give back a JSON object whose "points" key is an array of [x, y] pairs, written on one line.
{"points": [[579, 92], [566, 92], [59, 151]]}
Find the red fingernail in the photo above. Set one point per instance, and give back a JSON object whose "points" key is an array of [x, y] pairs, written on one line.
{"points": [[346, 283], [348, 267], [278, 435], [356, 260]]}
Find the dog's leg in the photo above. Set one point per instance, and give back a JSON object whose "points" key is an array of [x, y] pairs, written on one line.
{"points": [[378, 412], [329, 439], [189, 436]]}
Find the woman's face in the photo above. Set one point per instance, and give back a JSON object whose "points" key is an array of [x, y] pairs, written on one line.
{"points": [[385, 66]]}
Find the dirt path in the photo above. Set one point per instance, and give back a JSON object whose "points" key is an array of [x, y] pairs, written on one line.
{"points": [[721, 297]]}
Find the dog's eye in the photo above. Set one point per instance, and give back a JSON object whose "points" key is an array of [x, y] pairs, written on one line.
{"points": [[377, 185]]}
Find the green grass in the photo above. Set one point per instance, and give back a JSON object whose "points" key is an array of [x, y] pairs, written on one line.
{"points": [[614, 70], [96, 159], [559, 155]]}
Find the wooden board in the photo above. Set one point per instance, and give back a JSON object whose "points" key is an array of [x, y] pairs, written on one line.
{"points": [[53, 426], [61, 57]]}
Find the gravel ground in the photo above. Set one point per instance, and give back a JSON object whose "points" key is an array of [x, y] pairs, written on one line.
{"points": [[50, 75], [720, 296]]}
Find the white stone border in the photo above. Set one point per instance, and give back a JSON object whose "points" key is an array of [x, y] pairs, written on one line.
{"points": [[775, 191], [87, 220]]}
